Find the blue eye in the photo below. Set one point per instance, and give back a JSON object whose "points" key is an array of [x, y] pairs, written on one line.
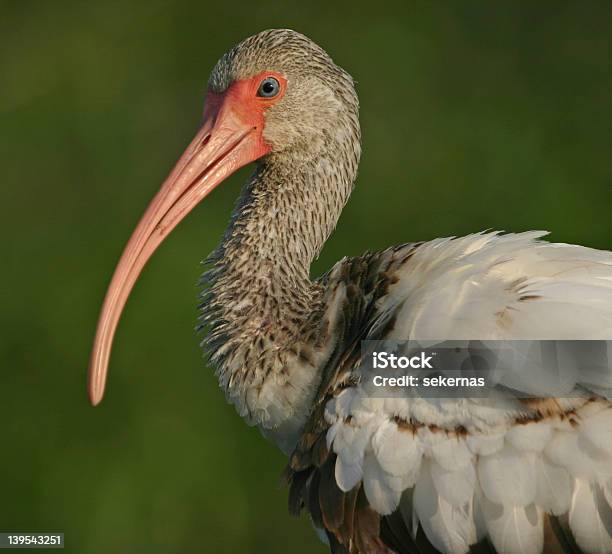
{"points": [[268, 88]]}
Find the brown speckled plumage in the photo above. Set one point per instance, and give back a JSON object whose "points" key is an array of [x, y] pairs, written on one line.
{"points": [[285, 347], [266, 317]]}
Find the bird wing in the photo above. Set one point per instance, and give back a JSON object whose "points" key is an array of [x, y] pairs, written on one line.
{"points": [[406, 474]]}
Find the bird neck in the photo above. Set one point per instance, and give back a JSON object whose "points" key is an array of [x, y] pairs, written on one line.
{"points": [[262, 312]]}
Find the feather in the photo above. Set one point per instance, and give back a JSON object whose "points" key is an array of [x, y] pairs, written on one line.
{"points": [[382, 490], [508, 477], [579, 456], [332, 432], [452, 454], [598, 430], [558, 536], [334, 545], [394, 533], [331, 498], [348, 475], [607, 490], [456, 487], [347, 528], [398, 452], [312, 501], [554, 487], [338, 407], [297, 491], [367, 528], [513, 529], [408, 512], [449, 529], [479, 518], [591, 533], [530, 437], [350, 442]]}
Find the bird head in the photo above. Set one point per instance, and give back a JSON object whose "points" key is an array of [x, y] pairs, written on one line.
{"points": [[275, 95], [289, 87]]}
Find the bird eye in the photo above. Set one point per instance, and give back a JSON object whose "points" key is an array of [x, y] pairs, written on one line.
{"points": [[268, 88]]}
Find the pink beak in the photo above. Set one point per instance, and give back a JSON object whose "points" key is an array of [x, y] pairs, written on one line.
{"points": [[228, 140]]}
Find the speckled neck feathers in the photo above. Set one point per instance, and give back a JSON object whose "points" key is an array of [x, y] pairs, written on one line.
{"points": [[261, 312]]}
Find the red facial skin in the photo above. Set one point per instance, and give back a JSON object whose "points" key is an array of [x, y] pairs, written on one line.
{"points": [[231, 136]]}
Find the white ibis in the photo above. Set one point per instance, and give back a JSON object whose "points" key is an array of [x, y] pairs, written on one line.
{"points": [[378, 474]]}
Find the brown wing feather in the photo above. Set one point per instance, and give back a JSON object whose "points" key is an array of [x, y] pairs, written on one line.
{"points": [[350, 523], [558, 538]]}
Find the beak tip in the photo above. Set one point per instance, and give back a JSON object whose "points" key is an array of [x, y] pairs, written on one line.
{"points": [[96, 393], [94, 400]]}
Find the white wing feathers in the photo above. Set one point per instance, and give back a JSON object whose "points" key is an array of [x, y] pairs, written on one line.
{"points": [[589, 517], [466, 468], [507, 480], [450, 527], [495, 287]]}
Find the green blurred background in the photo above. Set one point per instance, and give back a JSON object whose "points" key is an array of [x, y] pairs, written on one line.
{"points": [[475, 115]]}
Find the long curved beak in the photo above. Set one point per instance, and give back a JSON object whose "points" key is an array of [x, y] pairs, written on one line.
{"points": [[224, 144]]}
